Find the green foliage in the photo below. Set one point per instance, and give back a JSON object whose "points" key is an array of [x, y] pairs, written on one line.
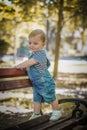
{"points": [[6, 12], [74, 14]]}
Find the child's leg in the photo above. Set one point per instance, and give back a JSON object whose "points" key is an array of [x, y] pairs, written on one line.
{"points": [[37, 107], [54, 105], [37, 110], [56, 114]]}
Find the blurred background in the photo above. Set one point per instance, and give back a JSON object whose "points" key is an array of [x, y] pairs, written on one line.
{"points": [[65, 25]]}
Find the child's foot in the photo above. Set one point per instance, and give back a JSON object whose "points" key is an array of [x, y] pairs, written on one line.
{"points": [[34, 116], [56, 114]]}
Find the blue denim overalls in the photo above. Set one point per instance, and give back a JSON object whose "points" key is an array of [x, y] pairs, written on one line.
{"points": [[43, 84]]}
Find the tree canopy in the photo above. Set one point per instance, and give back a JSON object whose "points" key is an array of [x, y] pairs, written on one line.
{"points": [[70, 14]]}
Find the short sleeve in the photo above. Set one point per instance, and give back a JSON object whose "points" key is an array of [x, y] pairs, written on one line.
{"points": [[40, 57]]}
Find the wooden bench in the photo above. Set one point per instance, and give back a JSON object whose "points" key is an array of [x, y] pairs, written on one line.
{"points": [[11, 78]]}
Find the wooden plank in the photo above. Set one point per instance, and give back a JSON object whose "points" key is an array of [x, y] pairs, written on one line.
{"points": [[30, 123], [69, 124], [14, 84], [60, 125], [43, 123], [11, 72], [49, 124]]}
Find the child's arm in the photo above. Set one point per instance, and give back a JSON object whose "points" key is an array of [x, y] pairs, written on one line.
{"points": [[26, 64]]}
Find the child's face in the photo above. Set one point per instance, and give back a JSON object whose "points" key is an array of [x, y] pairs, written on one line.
{"points": [[35, 43]]}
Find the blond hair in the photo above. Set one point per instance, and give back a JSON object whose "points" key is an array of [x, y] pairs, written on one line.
{"points": [[38, 32]]}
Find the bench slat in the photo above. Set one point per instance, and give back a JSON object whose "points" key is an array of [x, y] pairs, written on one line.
{"points": [[30, 123], [11, 72], [43, 123], [14, 84]]}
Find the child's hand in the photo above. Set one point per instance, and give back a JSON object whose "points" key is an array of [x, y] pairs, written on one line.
{"points": [[17, 67]]}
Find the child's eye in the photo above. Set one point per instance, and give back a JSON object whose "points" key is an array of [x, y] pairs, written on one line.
{"points": [[29, 42], [35, 43]]}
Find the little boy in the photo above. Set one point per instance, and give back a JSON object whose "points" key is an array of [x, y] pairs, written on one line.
{"points": [[42, 81]]}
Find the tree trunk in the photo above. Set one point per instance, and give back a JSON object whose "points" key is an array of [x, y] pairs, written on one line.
{"points": [[83, 41], [15, 46], [83, 34], [58, 38], [47, 34]]}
